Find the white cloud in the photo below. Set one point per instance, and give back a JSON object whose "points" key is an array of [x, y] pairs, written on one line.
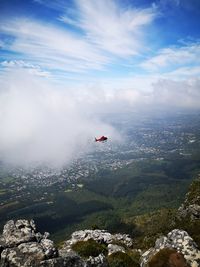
{"points": [[52, 47], [107, 24], [111, 27], [2, 44], [46, 123], [66, 19], [177, 94], [56, 4], [183, 73], [106, 31], [173, 57], [17, 64], [41, 123]]}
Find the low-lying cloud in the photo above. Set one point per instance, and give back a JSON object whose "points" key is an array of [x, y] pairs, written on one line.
{"points": [[42, 122]]}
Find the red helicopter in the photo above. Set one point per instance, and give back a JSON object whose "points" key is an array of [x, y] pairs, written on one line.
{"points": [[101, 139]]}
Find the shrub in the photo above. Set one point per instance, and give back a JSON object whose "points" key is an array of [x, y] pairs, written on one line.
{"points": [[194, 193], [166, 258], [89, 248], [95, 227], [135, 255], [120, 259]]}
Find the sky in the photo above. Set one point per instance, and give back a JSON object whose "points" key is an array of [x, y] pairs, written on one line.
{"points": [[63, 61]]}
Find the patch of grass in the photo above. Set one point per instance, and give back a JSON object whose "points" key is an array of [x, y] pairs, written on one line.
{"points": [[190, 226], [7, 179], [89, 248], [9, 205], [194, 193], [151, 226], [120, 259], [2, 192], [135, 255], [162, 258], [187, 223]]}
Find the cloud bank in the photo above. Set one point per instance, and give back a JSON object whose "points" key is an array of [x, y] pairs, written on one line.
{"points": [[43, 124]]}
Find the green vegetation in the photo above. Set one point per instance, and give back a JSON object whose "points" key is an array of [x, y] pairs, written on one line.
{"points": [[189, 223], [2, 192], [135, 255], [151, 226], [162, 259], [138, 199], [194, 193], [141, 198], [120, 259], [11, 206], [89, 248], [190, 226], [112, 201], [7, 179], [148, 179]]}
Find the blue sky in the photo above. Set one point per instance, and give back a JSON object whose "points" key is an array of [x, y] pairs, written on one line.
{"points": [[64, 62], [88, 41]]}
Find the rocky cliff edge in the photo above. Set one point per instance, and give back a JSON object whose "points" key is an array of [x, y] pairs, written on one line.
{"points": [[22, 246]]}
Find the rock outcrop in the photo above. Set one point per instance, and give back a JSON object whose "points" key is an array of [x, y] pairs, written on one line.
{"points": [[179, 241], [191, 206], [101, 236], [22, 246]]}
